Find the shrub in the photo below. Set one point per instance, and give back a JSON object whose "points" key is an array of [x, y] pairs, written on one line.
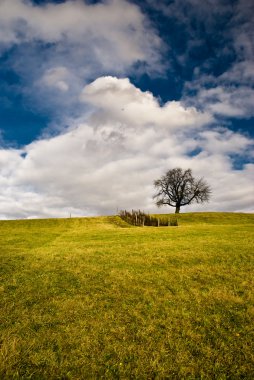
{"points": [[173, 221], [139, 218]]}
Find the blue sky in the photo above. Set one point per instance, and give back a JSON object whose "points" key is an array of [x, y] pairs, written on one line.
{"points": [[99, 98]]}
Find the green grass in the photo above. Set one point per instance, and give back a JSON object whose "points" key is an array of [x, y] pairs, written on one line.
{"points": [[94, 298]]}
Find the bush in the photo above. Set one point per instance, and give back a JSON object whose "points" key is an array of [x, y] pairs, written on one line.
{"points": [[173, 221], [139, 218]]}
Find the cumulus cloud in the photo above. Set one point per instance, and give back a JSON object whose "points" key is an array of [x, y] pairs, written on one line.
{"points": [[119, 99], [99, 166]]}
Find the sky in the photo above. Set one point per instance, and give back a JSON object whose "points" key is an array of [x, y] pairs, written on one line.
{"points": [[100, 98]]}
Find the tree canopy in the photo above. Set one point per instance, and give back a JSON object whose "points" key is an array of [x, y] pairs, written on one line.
{"points": [[179, 188]]}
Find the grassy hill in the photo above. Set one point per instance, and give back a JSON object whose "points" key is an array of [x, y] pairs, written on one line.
{"points": [[90, 298]]}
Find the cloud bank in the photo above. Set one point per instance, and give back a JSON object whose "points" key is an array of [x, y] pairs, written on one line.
{"points": [[111, 161]]}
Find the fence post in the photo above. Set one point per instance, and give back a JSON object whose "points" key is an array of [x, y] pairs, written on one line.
{"points": [[158, 222]]}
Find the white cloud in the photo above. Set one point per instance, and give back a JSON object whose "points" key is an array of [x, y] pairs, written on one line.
{"points": [[218, 38], [123, 101], [57, 77], [112, 32], [55, 49], [97, 167], [224, 141], [241, 72], [224, 100]]}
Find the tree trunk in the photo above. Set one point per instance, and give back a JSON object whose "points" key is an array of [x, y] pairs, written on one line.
{"points": [[177, 209]]}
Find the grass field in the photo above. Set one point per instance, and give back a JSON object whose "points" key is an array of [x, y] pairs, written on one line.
{"points": [[92, 298]]}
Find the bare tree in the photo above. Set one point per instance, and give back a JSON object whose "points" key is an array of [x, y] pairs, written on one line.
{"points": [[179, 188]]}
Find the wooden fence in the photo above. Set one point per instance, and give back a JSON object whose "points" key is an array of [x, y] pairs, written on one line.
{"points": [[139, 218]]}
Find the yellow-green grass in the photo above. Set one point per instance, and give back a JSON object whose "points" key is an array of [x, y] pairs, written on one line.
{"points": [[94, 298]]}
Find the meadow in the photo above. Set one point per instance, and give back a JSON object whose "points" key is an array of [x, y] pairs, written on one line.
{"points": [[95, 298]]}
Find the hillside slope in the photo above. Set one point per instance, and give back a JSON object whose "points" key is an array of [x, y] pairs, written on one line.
{"points": [[89, 298]]}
